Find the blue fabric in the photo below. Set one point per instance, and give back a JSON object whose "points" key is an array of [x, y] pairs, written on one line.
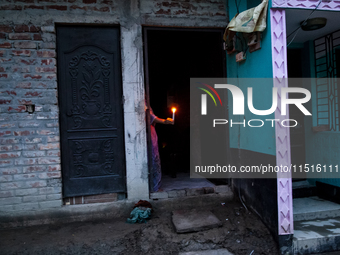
{"points": [[138, 215]]}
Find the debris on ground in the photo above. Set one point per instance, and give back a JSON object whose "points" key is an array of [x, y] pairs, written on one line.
{"points": [[156, 237]]}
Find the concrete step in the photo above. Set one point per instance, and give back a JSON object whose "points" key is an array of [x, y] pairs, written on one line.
{"points": [[311, 208], [315, 236], [303, 189]]}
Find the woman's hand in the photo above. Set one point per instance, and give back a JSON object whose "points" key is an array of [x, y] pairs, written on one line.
{"points": [[169, 121]]}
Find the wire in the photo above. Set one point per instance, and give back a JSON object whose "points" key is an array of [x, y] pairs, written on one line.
{"points": [[237, 6], [298, 29]]}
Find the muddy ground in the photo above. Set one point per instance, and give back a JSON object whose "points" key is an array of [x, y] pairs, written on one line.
{"points": [[242, 232]]}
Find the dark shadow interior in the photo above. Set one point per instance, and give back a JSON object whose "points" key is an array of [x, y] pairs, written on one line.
{"points": [[175, 56]]}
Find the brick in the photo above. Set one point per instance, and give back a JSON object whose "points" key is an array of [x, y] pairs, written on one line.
{"points": [[45, 69], [49, 146], [47, 62], [7, 125], [19, 69], [5, 28], [24, 177], [45, 116], [9, 141], [222, 189], [2, 36], [28, 124], [101, 9], [50, 190], [9, 171], [24, 1], [37, 37], [89, 1], [9, 92], [6, 178], [30, 61], [5, 45], [46, 132], [5, 133], [32, 169], [33, 7], [23, 53], [49, 37], [52, 124], [50, 76], [10, 200], [33, 140], [26, 206], [35, 198], [56, 7], [177, 193], [5, 101], [53, 168], [54, 197], [10, 155], [3, 53], [11, 7], [51, 204], [25, 45], [4, 163], [26, 192], [76, 7], [24, 133], [11, 185], [17, 147], [52, 139], [4, 76], [47, 1], [55, 153], [33, 154], [25, 162], [48, 29], [19, 36], [36, 184], [6, 193], [47, 161], [33, 77], [20, 108], [49, 175], [6, 148], [33, 93], [7, 208], [47, 45], [159, 195], [6, 60], [162, 11], [30, 147]]}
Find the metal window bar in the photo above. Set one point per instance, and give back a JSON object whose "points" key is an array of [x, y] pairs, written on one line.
{"points": [[325, 67]]}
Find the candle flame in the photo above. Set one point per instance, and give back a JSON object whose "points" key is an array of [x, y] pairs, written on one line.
{"points": [[173, 109]]}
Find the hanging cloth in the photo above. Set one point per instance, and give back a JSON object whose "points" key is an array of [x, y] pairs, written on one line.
{"points": [[248, 21]]}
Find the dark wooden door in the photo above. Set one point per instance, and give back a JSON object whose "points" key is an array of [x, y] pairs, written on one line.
{"points": [[91, 114]]}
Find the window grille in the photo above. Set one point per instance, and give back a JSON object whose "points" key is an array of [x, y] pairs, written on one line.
{"points": [[326, 53]]}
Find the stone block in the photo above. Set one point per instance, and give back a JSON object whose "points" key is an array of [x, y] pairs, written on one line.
{"points": [[177, 193]]}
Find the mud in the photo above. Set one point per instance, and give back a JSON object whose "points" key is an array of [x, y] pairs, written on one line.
{"points": [[242, 232]]}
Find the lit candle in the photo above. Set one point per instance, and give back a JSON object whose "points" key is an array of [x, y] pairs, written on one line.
{"points": [[173, 113]]}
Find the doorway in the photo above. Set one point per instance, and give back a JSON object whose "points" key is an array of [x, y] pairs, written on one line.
{"points": [[172, 57]]}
